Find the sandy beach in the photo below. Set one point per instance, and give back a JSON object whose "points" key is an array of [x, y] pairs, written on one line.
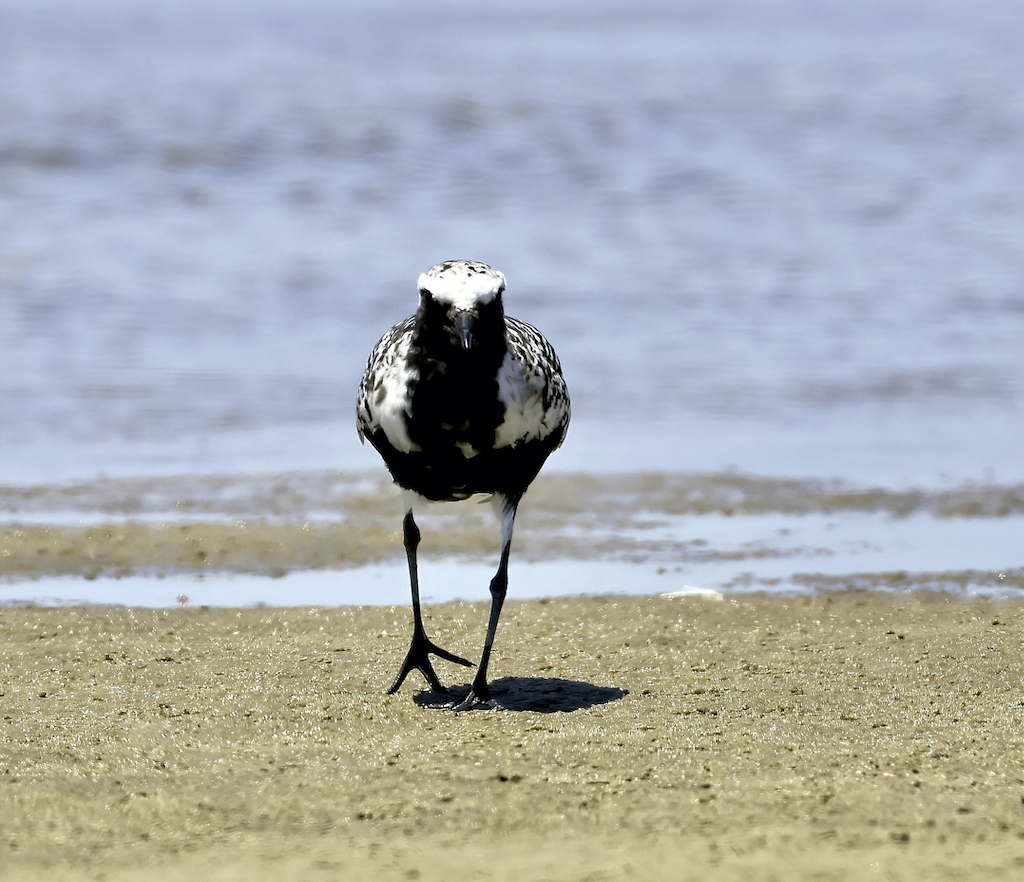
{"points": [[849, 735]]}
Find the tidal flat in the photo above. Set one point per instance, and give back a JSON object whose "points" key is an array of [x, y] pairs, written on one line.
{"points": [[840, 735]]}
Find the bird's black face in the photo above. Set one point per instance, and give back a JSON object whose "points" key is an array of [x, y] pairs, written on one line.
{"points": [[460, 315], [459, 327]]}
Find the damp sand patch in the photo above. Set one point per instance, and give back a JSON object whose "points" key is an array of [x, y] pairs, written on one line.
{"points": [[713, 530]]}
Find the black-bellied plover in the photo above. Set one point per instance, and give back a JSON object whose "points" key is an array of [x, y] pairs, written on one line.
{"points": [[460, 399]]}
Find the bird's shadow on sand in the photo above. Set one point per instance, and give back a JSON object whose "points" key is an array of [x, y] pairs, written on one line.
{"points": [[544, 695]]}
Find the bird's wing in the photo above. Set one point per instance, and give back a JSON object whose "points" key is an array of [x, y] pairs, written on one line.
{"points": [[532, 388], [382, 389]]}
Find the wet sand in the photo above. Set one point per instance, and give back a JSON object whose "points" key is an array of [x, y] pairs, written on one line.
{"points": [[852, 735], [283, 522]]}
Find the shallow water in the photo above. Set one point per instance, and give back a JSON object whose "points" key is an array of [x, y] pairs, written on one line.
{"points": [[333, 538], [766, 238]]}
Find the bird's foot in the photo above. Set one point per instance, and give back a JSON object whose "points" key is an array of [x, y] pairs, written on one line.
{"points": [[473, 702], [418, 659], [479, 697]]}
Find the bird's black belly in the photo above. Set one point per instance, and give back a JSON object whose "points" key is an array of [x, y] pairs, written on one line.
{"points": [[445, 474], [453, 411], [454, 403]]}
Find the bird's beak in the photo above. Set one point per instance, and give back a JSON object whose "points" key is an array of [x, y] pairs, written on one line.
{"points": [[464, 328]]}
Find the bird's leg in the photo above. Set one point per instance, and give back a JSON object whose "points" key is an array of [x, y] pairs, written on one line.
{"points": [[421, 648], [480, 694]]}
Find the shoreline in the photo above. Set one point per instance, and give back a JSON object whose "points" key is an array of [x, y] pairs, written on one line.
{"points": [[287, 538], [837, 734]]}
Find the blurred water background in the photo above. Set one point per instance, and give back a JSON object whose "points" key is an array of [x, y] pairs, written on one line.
{"points": [[767, 237]]}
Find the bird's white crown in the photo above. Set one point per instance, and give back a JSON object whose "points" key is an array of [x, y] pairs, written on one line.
{"points": [[464, 284]]}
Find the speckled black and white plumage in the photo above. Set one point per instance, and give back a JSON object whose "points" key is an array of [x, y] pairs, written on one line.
{"points": [[460, 399]]}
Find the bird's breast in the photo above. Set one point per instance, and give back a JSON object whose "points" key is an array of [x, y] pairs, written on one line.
{"points": [[454, 406]]}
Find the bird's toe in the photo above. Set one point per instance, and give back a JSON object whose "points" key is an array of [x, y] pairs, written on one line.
{"points": [[472, 701]]}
